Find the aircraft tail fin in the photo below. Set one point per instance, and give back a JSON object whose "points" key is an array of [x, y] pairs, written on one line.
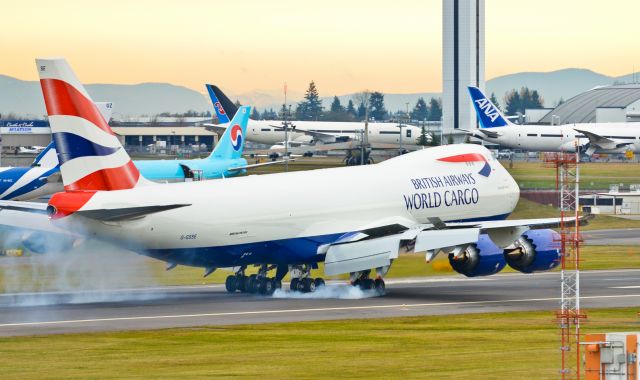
{"points": [[223, 106], [106, 110], [48, 158], [231, 143], [91, 156], [488, 114]]}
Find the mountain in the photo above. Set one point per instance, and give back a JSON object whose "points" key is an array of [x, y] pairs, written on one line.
{"points": [[24, 97], [551, 85]]}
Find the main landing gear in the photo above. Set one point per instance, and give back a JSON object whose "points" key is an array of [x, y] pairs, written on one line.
{"points": [[256, 283], [365, 282], [301, 280]]}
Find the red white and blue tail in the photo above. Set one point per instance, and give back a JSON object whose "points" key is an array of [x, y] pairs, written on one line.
{"points": [[91, 156]]}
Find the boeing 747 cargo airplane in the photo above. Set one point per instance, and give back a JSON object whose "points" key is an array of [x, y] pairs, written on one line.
{"points": [[355, 220]]}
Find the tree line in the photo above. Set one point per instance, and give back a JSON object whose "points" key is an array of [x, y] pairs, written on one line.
{"points": [[356, 109]]}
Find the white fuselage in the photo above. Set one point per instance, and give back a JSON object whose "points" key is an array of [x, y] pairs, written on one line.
{"points": [[236, 212], [268, 132], [562, 138]]}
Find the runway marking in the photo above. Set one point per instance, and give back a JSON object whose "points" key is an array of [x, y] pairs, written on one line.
{"points": [[345, 308], [391, 281], [625, 287]]}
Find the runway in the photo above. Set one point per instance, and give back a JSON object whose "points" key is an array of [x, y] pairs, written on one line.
{"points": [[624, 236], [189, 306]]}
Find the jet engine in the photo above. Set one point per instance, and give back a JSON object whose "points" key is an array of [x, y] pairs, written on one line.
{"points": [[483, 258], [535, 251]]}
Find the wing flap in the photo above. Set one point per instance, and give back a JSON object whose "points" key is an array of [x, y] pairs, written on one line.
{"points": [[361, 255], [432, 240]]}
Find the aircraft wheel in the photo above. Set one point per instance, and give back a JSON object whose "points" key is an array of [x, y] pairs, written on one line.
{"points": [[252, 284], [231, 284], [241, 282], [309, 286], [319, 282], [294, 284], [366, 284], [379, 286], [268, 286], [277, 284]]}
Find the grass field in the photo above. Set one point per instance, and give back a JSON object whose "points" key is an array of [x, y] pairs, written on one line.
{"points": [[488, 346]]}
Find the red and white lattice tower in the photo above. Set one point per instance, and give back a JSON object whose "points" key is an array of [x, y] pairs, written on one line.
{"points": [[569, 315]]}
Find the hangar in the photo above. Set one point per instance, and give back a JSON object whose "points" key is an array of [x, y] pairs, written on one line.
{"points": [[607, 104]]}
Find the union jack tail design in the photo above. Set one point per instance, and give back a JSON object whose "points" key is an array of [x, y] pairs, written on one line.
{"points": [[91, 156]]}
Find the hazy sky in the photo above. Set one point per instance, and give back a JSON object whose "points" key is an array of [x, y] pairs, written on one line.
{"points": [[345, 46]]}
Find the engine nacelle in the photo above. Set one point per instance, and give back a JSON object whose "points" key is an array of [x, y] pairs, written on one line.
{"points": [[483, 258], [536, 251]]}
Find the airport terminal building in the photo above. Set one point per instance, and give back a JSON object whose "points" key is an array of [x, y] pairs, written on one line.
{"points": [[137, 135]]}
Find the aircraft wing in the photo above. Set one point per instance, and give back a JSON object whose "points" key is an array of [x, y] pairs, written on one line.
{"points": [[260, 164], [597, 141], [319, 136], [375, 247]]}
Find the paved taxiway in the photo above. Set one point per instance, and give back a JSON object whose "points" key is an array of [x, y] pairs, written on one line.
{"points": [[188, 306], [624, 236]]}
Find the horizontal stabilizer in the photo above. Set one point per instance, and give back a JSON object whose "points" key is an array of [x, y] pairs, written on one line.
{"points": [[125, 213]]}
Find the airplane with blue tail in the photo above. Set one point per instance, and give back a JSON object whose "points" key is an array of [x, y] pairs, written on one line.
{"points": [[40, 179], [589, 138]]}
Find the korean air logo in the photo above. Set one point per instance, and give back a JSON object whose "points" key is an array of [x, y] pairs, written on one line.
{"points": [[236, 137], [489, 110], [219, 108]]}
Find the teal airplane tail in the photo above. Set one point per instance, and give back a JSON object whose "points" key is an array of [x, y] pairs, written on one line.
{"points": [[231, 143]]}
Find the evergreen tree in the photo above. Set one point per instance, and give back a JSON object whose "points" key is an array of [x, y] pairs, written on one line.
{"points": [[362, 110], [519, 101], [512, 102], [536, 100], [423, 139], [420, 111], [376, 104], [255, 115], [311, 107], [350, 108], [336, 107], [435, 110], [494, 100]]}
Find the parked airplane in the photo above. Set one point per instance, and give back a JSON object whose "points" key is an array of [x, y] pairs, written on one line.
{"points": [[38, 180], [592, 138], [312, 132], [354, 219]]}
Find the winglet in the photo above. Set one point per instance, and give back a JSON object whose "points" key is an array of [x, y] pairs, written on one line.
{"points": [[488, 114]]}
